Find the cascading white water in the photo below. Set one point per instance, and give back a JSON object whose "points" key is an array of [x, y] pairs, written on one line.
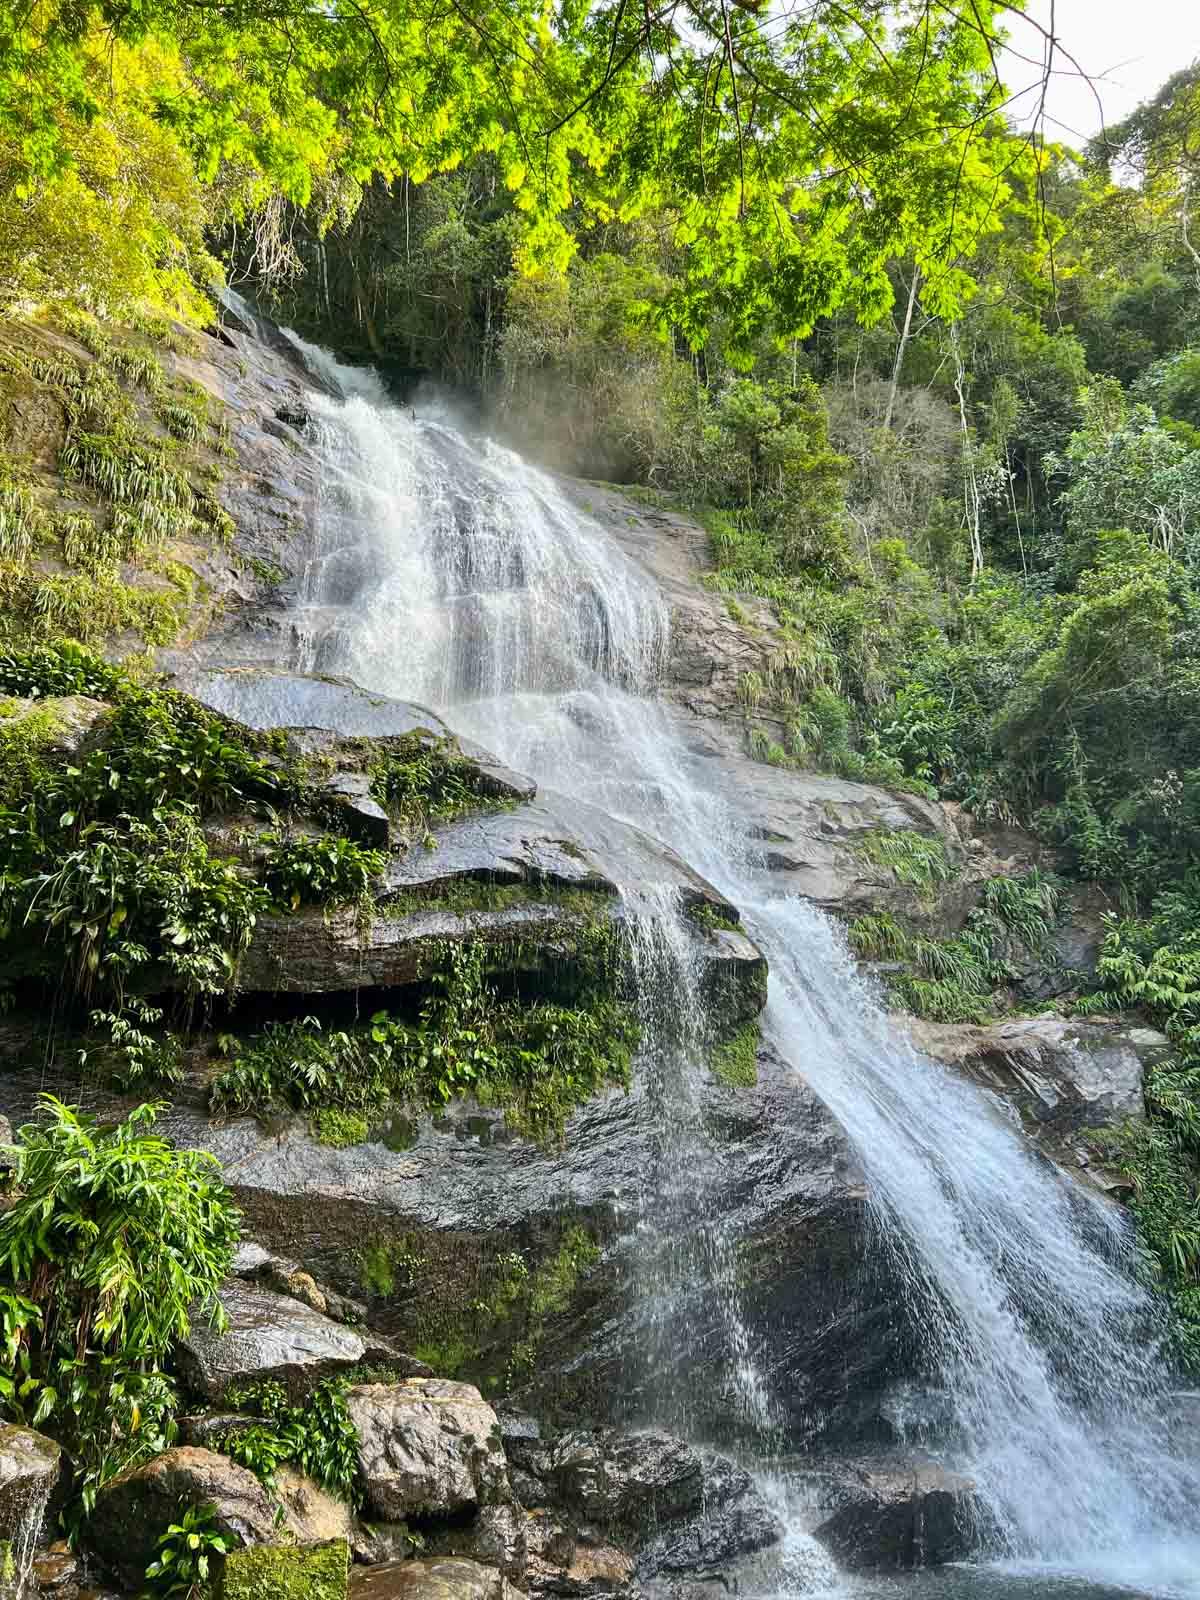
{"points": [[448, 571]]}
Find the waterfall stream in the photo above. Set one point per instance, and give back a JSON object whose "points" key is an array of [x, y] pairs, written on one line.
{"points": [[448, 571]]}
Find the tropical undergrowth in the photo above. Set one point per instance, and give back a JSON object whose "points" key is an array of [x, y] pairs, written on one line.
{"points": [[969, 977], [1153, 964], [99, 547], [315, 1435], [111, 1244], [536, 1059]]}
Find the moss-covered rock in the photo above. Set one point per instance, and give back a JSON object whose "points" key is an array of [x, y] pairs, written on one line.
{"points": [[287, 1572]]}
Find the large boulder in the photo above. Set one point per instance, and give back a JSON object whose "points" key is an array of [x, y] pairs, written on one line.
{"points": [[901, 1516], [679, 1507], [270, 1336], [30, 1468], [136, 1508], [442, 1578], [426, 1447], [312, 1514]]}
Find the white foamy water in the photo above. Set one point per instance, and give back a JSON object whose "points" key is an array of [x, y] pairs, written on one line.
{"points": [[449, 571]]}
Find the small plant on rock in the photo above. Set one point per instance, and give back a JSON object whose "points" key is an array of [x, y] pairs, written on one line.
{"points": [[182, 1569]]}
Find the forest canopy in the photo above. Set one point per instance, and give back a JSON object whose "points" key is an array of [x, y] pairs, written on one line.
{"points": [[792, 151]]}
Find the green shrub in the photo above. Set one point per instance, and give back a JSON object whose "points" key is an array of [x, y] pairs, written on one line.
{"points": [[329, 870], [113, 1243], [183, 1567], [316, 1436]]}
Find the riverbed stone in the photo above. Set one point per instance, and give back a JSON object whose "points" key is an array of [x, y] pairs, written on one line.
{"points": [[439, 1578], [426, 1447]]}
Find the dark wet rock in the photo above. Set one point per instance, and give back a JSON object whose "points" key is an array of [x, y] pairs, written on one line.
{"points": [[134, 1509], [684, 1508], [496, 1537], [348, 794], [627, 1480], [257, 1265], [426, 1447], [565, 1562], [900, 1517], [30, 1468], [270, 1336], [441, 1578]]}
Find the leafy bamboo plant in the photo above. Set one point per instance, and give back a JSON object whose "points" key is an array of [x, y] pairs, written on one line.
{"points": [[113, 1242]]}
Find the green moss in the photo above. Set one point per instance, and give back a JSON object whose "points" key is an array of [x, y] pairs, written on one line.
{"points": [[340, 1129], [465, 895], [709, 917], [387, 1265], [735, 1062], [281, 1572], [487, 1319]]}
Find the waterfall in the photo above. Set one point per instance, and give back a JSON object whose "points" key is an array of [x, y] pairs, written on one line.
{"points": [[447, 570]]}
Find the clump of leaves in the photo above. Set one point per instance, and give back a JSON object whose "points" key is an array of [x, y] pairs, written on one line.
{"points": [[329, 870], [317, 1437], [420, 779], [114, 1241], [915, 859], [183, 1566], [133, 1057]]}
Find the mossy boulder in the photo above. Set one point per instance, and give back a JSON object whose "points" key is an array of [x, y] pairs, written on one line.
{"points": [[135, 1509], [287, 1572]]}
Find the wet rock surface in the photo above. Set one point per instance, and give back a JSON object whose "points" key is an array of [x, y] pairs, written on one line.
{"points": [[900, 1516], [30, 1468], [1063, 1076], [270, 1337]]}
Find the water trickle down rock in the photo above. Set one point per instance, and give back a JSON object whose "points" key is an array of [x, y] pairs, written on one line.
{"points": [[30, 1469]]}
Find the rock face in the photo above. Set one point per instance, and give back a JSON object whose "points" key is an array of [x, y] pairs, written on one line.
{"points": [[270, 1336], [414, 1223], [134, 1509], [30, 1467], [901, 1517], [1063, 1076], [426, 1447]]}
